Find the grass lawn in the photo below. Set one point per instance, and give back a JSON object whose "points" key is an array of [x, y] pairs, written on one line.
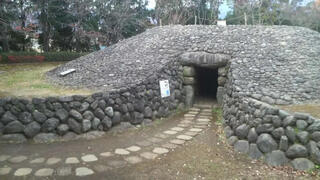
{"points": [[28, 80], [312, 109]]}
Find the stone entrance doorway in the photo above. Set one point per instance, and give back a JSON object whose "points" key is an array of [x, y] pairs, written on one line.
{"points": [[206, 84], [205, 75]]}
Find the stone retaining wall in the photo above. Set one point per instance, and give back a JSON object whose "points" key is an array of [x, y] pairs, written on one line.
{"points": [[58, 116], [262, 130]]}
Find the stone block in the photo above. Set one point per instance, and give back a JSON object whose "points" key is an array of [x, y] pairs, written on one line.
{"points": [[297, 151], [188, 71], [276, 158], [266, 143], [242, 146]]}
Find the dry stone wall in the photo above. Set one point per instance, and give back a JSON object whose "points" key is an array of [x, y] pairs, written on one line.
{"points": [[265, 131], [47, 118]]}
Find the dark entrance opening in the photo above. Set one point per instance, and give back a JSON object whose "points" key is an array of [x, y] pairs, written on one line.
{"points": [[206, 83]]}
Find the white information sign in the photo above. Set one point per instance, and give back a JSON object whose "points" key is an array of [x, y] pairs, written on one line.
{"points": [[164, 88]]}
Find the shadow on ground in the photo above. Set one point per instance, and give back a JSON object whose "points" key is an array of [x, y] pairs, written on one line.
{"points": [[206, 157]]}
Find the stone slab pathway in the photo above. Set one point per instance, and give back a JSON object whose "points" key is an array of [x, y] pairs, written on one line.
{"points": [[84, 164]]}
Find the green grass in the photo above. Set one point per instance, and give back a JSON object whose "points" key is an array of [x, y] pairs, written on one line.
{"points": [[217, 111], [28, 80], [40, 86], [315, 171]]}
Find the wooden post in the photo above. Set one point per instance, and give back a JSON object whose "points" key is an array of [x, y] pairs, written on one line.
{"points": [[195, 20]]}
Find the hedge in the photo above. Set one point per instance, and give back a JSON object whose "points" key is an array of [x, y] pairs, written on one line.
{"points": [[21, 57]]}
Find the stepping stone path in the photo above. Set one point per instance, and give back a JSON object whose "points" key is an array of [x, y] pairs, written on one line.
{"points": [[72, 160], [23, 172], [78, 164], [106, 154], [170, 132], [4, 158], [4, 171], [83, 171], [37, 161], [134, 148], [184, 137], [18, 159], [189, 115], [64, 171], [121, 152], [200, 126], [189, 133], [159, 150], [195, 130], [169, 146], [89, 158], [149, 155], [203, 120], [177, 141], [52, 161], [44, 172], [177, 129], [163, 136]]}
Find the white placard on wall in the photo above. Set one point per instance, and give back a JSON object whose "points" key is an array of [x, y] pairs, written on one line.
{"points": [[164, 88]]}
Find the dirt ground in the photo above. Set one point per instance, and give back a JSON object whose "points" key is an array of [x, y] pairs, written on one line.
{"points": [[206, 157]]}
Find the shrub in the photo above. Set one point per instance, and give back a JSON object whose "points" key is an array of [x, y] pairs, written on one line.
{"points": [[22, 57], [62, 56]]}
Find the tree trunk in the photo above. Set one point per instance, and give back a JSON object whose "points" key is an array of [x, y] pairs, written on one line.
{"points": [[46, 37], [23, 23], [5, 41], [46, 26], [259, 11], [78, 41], [4, 30], [252, 15]]}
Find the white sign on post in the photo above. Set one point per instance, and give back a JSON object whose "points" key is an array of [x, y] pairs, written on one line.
{"points": [[164, 88]]}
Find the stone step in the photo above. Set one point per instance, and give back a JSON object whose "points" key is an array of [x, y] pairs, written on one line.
{"points": [[203, 106]]}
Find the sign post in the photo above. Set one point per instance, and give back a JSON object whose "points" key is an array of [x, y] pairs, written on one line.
{"points": [[164, 88]]}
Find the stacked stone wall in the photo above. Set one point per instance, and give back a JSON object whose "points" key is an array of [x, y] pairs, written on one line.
{"points": [[57, 116], [265, 131]]}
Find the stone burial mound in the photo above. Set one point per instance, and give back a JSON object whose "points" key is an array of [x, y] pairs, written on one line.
{"points": [[247, 69]]}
